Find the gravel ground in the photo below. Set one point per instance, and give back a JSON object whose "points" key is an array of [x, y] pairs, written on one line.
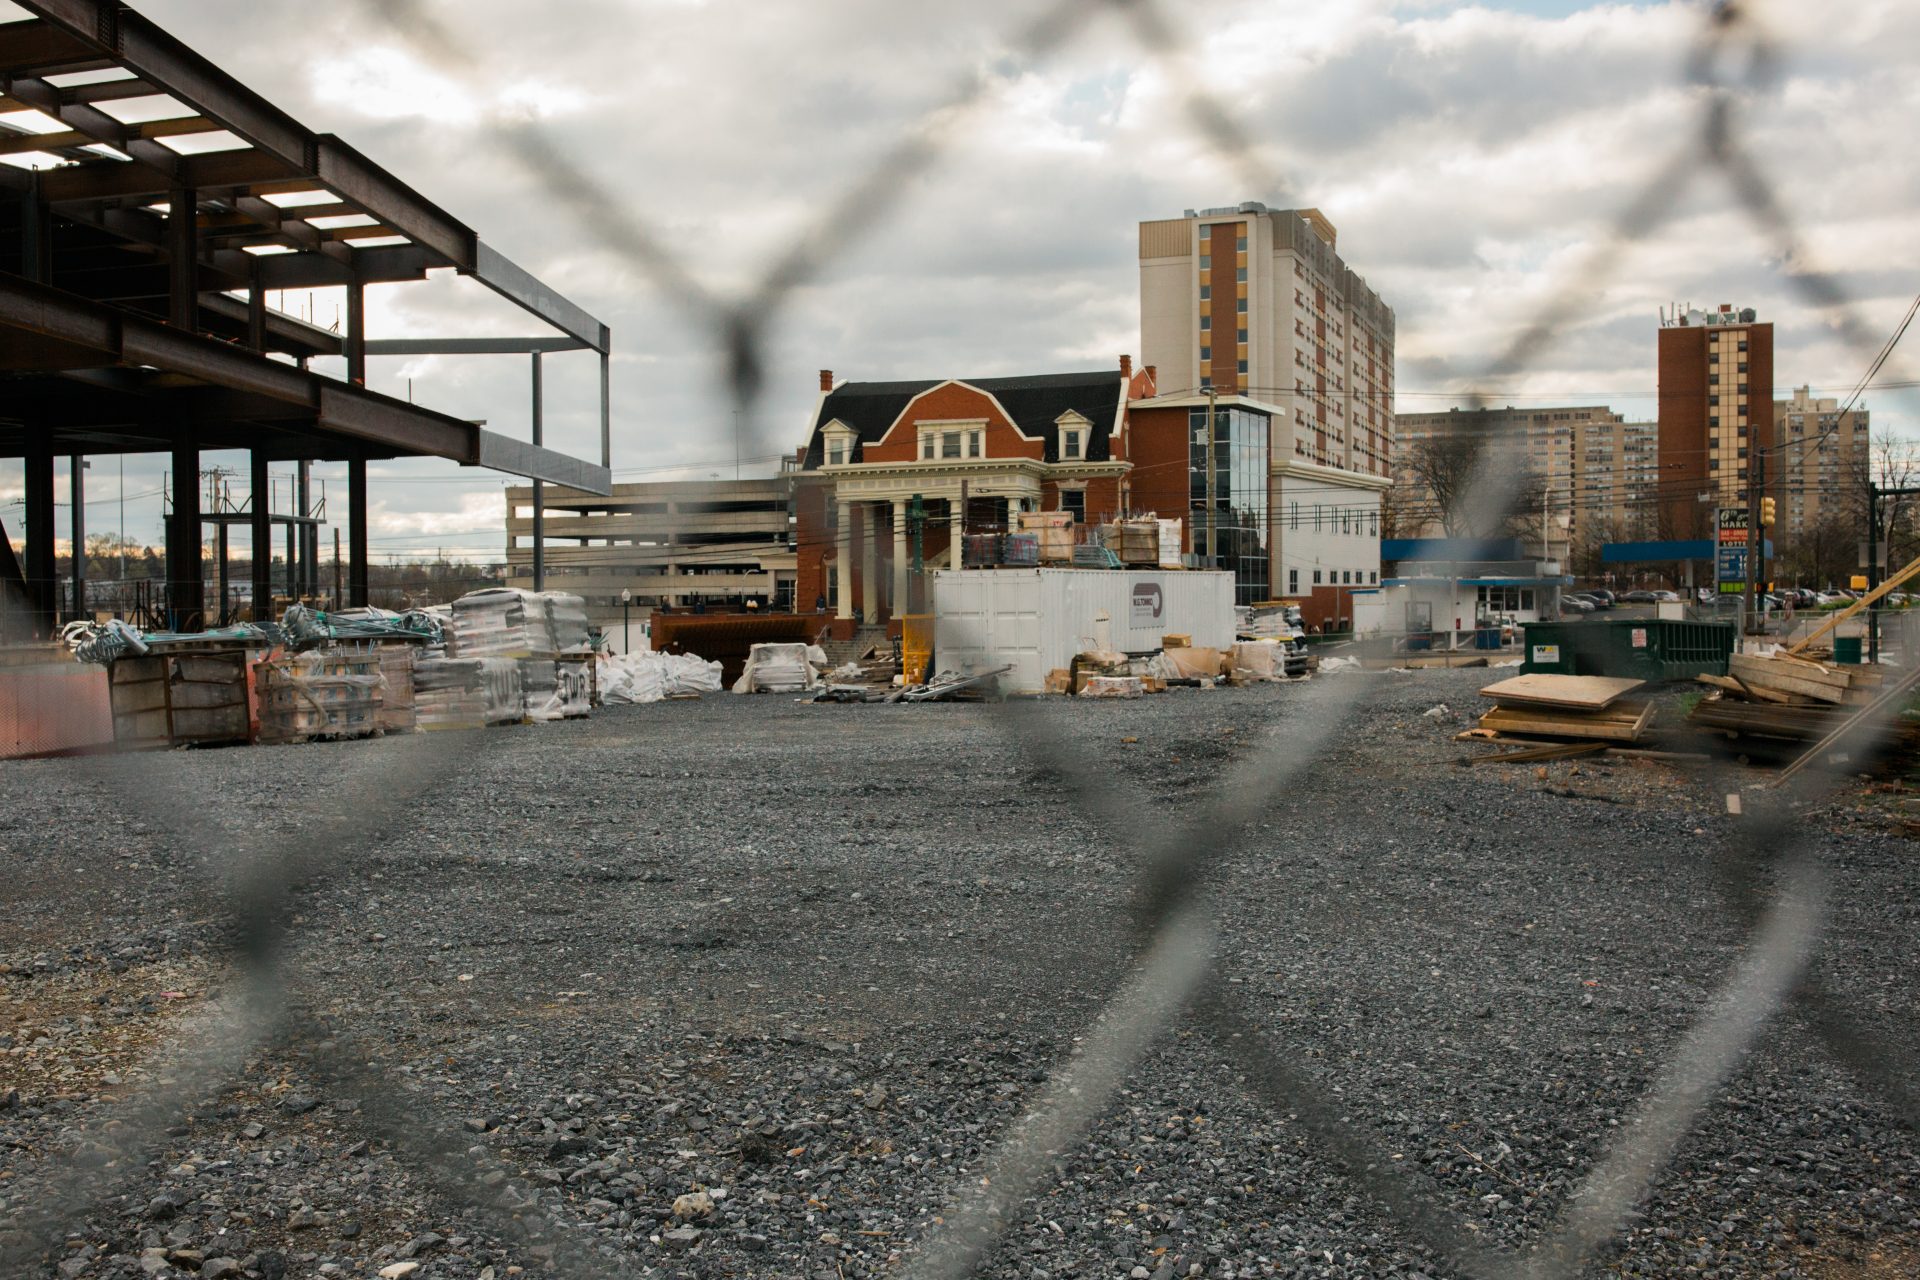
{"points": [[797, 969]]}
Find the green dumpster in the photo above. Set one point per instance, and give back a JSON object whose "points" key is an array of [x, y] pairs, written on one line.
{"points": [[1846, 649], [1652, 649]]}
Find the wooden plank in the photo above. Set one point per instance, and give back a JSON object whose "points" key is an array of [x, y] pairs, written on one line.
{"points": [[1623, 722], [1758, 693], [1559, 751], [1543, 689], [1750, 667], [1781, 682]]}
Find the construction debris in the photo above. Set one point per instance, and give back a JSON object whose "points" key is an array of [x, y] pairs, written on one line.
{"points": [[1802, 678], [1544, 705]]}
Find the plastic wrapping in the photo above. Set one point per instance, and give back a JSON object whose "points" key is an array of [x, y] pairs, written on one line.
{"points": [[647, 676], [566, 616], [505, 694], [319, 695], [448, 693], [502, 622], [780, 668]]}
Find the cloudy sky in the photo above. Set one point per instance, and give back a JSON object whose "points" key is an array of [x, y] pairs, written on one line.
{"points": [[1473, 157]]}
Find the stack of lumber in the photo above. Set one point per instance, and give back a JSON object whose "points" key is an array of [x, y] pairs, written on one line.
{"points": [[1801, 682], [1554, 706]]}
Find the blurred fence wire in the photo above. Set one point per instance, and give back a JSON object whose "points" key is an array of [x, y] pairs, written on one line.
{"points": [[1770, 881]]}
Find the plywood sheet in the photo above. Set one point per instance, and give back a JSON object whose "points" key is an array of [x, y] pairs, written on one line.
{"points": [[1576, 693], [1622, 722]]}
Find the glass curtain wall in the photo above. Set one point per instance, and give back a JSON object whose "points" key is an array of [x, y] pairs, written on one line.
{"points": [[1239, 526]]}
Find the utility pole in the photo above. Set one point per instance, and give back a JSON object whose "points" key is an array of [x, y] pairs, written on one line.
{"points": [[1213, 532], [1873, 568]]}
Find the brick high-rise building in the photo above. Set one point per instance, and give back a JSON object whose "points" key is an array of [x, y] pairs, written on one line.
{"points": [[1255, 302], [1716, 414]]}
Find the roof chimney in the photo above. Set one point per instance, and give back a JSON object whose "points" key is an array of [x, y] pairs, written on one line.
{"points": [[826, 379], [1126, 366]]}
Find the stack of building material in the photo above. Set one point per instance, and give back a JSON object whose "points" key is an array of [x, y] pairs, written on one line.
{"points": [[1789, 681], [1557, 706], [1134, 541], [396, 661], [540, 687], [503, 685], [1196, 663], [1171, 555], [566, 616], [780, 668], [319, 695], [1255, 661], [578, 680], [1054, 531], [647, 676], [1113, 687], [502, 622], [180, 695], [449, 693]]}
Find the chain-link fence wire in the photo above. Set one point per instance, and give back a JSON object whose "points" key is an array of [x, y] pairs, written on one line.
{"points": [[1772, 882]]}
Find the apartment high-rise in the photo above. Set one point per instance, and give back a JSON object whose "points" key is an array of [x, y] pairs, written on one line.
{"points": [[1596, 472], [1716, 414], [1823, 460], [1255, 302]]}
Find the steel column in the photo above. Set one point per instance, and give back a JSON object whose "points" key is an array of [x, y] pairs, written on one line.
{"points": [[223, 556], [77, 492], [356, 340], [42, 585], [186, 591], [357, 533], [260, 507], [606, 410], [183, 262], [309, 578], [36, 247], [539, 488]]}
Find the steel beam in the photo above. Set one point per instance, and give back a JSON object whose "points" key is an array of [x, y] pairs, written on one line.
{"points": [[520, 287], [471, 346], [517, 457]]}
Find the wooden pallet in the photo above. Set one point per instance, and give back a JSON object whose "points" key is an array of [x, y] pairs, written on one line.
{"points": [[1573, 693]]}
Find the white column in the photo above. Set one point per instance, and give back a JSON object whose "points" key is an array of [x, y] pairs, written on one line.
{"points": [[899, 558], [843, 562], [869, 563]]}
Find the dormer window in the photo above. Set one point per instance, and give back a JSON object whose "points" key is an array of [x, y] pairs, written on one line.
{"points": [[1072, 444], [839, 440]]}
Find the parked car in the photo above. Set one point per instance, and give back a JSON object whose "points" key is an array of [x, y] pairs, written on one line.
{"points": [[1574, 604], [1666, 597], [1638, 597], [1600, 593]]}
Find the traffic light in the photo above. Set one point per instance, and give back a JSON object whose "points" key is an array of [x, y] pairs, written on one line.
{"points": [[1766, 512]]}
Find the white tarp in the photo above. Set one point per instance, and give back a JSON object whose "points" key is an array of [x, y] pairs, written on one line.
{"points": [[647, 676]]}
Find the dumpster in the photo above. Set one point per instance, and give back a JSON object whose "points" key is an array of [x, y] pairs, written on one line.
{"points": [[1653, 650], [1486, 638]]}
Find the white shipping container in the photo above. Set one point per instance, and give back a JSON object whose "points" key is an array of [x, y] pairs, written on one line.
{"points": [[1038, 619]]}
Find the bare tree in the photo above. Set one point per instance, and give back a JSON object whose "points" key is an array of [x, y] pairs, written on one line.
{"points": [[1446, 483]]}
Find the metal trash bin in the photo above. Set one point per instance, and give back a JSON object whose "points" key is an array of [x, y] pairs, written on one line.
{"points": [[1846, 649]]}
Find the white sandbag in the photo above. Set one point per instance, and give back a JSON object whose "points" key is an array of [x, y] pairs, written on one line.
{"points": [[646, 676]]}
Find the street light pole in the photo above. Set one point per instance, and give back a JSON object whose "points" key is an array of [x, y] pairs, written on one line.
{"points": [[1213, 532], [626, 621]]}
